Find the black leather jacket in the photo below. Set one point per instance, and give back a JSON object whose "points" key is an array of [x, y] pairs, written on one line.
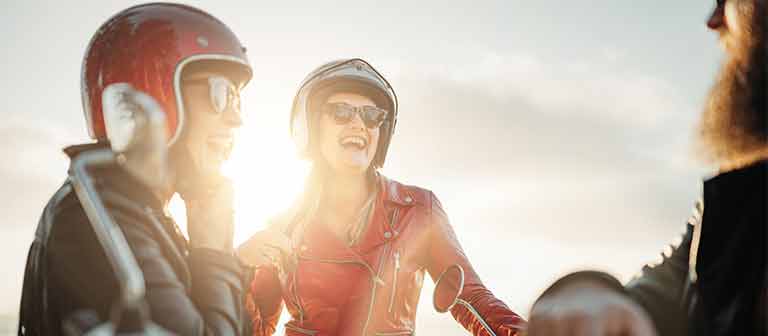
{"points": [[188, 291], [714, 282]]}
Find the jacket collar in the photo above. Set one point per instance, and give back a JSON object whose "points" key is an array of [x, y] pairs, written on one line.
{"points": [[737, 181], [394, 192], [385, 224]]}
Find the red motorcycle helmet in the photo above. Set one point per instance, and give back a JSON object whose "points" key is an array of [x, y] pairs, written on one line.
{"points": [[148, 46]]}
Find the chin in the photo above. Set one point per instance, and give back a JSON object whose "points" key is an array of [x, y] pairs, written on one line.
{"points": [[355, 169], [350, 167]]}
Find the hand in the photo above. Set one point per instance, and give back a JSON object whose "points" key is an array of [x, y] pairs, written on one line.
{"points": [[511, 330], [210, 215], [588, 309], [136, 129], [266, 247]]}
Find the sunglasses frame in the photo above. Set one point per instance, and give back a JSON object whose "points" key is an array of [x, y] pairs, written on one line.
{"points": [[332, 110], [215, 82]]}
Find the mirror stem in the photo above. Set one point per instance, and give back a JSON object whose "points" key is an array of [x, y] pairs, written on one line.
{"points": [[477, 315]]}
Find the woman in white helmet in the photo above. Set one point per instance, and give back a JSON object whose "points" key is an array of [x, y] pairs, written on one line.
{"points": [[349, 258]]}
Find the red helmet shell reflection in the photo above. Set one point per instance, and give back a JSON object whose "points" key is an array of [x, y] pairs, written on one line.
{"points": [[147, 46]]}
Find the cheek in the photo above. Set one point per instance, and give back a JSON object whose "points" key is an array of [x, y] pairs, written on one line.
{"points": [[197, 126], [327, 137], [375, 138], [737, 14]]}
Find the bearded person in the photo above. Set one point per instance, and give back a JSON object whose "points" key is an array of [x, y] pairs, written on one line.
{"points": [[714, 281]]}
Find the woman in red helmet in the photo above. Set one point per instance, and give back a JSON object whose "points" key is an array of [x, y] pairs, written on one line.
{"points": [[350, 257], [192, 67]]}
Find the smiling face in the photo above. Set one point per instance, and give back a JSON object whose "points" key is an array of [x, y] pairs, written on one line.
{"points": [[348, 148], [212, 112]]}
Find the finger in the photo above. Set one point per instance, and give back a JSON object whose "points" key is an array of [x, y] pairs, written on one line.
{"points": [[578, 323], [642, 326], [616, 323], [627, 322], [542, 325]]}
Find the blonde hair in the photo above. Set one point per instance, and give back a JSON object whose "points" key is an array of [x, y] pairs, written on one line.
{"points": [[307, 206]]}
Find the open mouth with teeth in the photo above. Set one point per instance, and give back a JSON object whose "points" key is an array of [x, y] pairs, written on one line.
{"points": [[354, 142]]}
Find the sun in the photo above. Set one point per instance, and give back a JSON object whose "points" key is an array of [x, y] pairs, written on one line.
{"points": [[268, 178], [267, 174]]}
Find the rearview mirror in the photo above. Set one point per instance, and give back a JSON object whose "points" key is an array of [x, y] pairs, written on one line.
{"points": [[448, 288]]}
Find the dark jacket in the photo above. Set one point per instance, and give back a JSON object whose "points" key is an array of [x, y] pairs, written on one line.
{"points": [[714, 281], [189, 291]]}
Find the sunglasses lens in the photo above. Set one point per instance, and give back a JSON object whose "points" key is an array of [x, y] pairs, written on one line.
{"points": [[373, 116], [219, 93], [342, 113], [223, 94]]}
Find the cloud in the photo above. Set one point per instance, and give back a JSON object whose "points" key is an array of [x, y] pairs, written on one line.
{"points": [[578, 151], [33, 168]]}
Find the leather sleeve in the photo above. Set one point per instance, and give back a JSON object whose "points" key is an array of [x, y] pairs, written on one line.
{"points": [[445, 251], [659, 288], [265, 301], [212, 307]]}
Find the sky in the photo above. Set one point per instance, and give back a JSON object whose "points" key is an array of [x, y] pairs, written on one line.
{"points": [[559, 135]]}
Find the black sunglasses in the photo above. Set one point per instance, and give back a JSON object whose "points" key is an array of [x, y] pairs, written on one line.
{"points": [[343, 113]]}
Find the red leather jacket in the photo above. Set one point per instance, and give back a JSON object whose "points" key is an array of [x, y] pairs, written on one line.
{"points": [[373, 287]]}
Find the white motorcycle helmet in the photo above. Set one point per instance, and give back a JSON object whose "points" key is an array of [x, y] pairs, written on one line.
{"points": [[347, 75]]}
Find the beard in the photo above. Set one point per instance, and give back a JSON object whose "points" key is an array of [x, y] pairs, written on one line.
{"points": [[734, 126]]}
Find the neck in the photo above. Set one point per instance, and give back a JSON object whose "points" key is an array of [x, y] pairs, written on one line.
{"points": [[347, 194], [165, 193]]}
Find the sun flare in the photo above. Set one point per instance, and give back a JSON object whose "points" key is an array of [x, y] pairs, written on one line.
{"points": [[267, 173]]}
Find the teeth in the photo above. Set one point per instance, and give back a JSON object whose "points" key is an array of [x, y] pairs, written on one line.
{"points": [[354, 140]]}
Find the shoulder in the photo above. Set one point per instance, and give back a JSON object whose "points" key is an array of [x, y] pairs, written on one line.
{"points": [[407, 194], [62, 213]]}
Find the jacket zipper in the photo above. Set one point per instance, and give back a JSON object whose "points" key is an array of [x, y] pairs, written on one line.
{"points": [[378, 274], [375, 276], [296, 298], [373, 287], [395, 333], [300, 330], [394, 281], [375, 280]]}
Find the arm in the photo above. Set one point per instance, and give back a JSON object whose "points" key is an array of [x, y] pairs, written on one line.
{"points": [[266, 250], [85, 282], [265, 301], [657, 293], [445, 251], [659, 289]]}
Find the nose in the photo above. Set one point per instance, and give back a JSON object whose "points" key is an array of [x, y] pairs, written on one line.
{"points": [[716, 21], [357, 122]]}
